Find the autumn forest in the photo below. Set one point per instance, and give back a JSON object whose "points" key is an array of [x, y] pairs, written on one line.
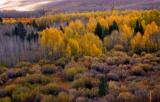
{"points": [[91, 56]]}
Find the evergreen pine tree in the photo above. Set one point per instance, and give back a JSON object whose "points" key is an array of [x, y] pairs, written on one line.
{"points": [[113, 27], [19, 31], [103, 86], [34, 24], [138, 28], [100, 31], [1, 20], [61, 28]]}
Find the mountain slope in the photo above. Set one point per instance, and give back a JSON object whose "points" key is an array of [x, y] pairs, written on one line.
{"points": [[76, 5], [90, 5], [36, 8], [24, 5]]}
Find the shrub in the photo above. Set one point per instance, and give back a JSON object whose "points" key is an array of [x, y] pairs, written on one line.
{"points": [[51, 88], [44, 62], [100, 67], [141, 95], [16, 73], [113, 76], [125, 97], [110, 98], [2, 69], [113, 85], [62, 62], [90, 93], [156, 95], [49, 98], [11, 88], [35, 96], [24, 94], [146, 67], [23, 64], [37, 79], [118, 74], [85, 82], [71, 72], [118, 48], [49, 69], [5, 99], [21, 94], [3, 93], [81, 99], [157, 53], [137, 70], [114, 39], [3, 78], [63, 97]]}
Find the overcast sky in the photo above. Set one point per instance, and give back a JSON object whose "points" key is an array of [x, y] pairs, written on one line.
{"points": [[22, 5]]}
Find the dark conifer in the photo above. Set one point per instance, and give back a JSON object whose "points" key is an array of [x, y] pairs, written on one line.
{"points": [[113, 27], [138, 28]]}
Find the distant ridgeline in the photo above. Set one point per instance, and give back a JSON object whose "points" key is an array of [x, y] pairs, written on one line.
{"points": [[19, 14]]}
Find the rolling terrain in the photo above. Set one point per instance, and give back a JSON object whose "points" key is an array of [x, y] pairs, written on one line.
{"points": [[36, 8], [94, 5]]}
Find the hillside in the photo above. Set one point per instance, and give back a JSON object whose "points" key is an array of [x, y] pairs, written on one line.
{"points": [[91, 5], [34, 8]]}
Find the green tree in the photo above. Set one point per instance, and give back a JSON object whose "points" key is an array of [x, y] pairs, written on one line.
{"points": [[100, 31], [1, 20], [34, 24], [61, 27], [103, 86], [138, 28], [19, 31], [113, 27]]}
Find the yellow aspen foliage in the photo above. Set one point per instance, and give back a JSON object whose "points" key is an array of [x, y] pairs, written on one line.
{"points": [[52, 39], [136, 42], [127, 32], [9, 21], [73, 47], [91, 45], [62, 97], [91, 25], [68, 51], [77, 26], [103, 22], [151, 29], [148, 42], [144, 41], [110, 19], [143, 24], [69, 32], [94, 50]]}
